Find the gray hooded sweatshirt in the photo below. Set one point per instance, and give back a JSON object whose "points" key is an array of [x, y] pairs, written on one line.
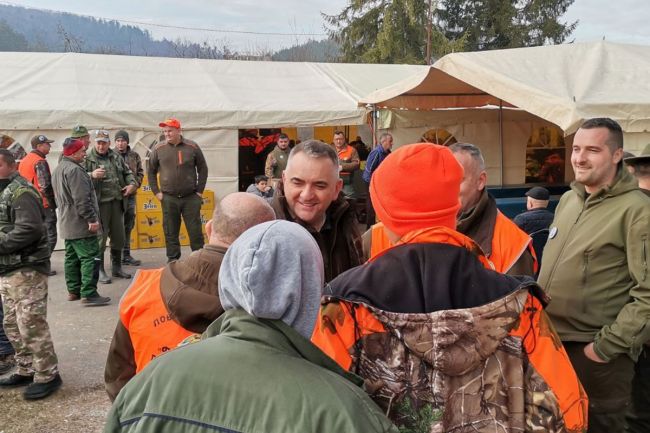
{"points": [[274, 271]]}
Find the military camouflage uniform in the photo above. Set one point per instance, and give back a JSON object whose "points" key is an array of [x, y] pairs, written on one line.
{"points": [[24, 263]]}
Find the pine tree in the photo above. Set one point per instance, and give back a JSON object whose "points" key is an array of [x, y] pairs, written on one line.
{"points": [[395, 31], [11, 40]]}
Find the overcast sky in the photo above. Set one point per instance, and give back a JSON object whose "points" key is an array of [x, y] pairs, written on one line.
{"points": [[619, 21]]}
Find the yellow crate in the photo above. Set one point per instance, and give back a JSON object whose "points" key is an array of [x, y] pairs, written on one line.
{"points": [[147, 202], [145, 188], [151, 240], [183, 237], [208, 200], [134, 239], [149, 222]]}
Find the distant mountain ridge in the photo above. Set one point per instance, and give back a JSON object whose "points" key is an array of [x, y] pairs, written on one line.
{"points": [[26, 29]]}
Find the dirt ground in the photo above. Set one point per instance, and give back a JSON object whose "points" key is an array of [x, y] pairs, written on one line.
{"points": [[81, 337]]}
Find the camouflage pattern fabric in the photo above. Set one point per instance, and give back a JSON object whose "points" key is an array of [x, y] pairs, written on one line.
{"points": [[24, 295], [456, 371]]}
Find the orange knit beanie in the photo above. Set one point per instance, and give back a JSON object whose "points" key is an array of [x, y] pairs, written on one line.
{"points": [[417, 187]]}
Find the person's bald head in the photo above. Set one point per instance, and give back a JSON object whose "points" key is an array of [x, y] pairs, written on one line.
{"points": [[236, 213]]}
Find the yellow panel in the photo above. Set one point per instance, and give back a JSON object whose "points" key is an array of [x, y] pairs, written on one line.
{"points": [[208, 200], [291, 132], [151, 239], [148, 221], [147, 202]]}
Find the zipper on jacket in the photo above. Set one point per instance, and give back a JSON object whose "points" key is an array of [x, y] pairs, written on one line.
{"points": [[585, 270], [644, 256]]}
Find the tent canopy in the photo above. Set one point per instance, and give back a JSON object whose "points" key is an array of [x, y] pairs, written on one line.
{"points": [[56, 90], [563, 84]]}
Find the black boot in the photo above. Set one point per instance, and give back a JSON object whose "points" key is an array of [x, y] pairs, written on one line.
{"points": [[128, 260], [116, 260], [103, 278]]}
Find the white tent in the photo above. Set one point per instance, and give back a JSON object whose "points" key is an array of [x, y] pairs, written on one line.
{"points": [[558, 85], [51, 92]]}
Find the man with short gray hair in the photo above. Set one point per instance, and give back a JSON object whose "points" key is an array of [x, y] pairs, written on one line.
{"points": [[509, 249], [375, 158], [310, 195], [184, 290]]}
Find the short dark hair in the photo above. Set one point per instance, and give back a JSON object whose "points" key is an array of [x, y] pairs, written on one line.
{"points": [[283, 136], [8, 157], [261, 178], [339, 132], [316, 149], [615, 139]]}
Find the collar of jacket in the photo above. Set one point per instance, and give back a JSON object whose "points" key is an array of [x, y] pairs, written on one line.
{"points": [[41, 154], [479, 222], [623, 182], [333, 213], [275, 334]]}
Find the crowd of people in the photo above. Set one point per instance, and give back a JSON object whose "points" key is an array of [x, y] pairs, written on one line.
{"points": [[440, 317]]}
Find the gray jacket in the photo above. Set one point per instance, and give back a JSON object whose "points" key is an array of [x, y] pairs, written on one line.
{"points": [[75, 196]]}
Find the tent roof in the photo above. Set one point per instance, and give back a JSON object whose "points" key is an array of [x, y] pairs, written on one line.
{"points": [[56, 90], [563, 84]]}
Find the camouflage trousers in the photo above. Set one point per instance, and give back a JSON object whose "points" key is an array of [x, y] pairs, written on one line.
{"points": [[24, 296]]}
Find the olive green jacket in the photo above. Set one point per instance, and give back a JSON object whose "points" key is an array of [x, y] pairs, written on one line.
{"points": [[248, 375], [118, 175], [596, 268]]}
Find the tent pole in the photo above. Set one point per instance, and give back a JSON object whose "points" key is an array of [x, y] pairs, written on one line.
{"points": [[501, 138]]}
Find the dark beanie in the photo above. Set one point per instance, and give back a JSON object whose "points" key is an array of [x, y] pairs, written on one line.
{"points": [[122, 134]]}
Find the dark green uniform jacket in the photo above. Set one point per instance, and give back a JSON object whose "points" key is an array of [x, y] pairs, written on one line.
{"points": [[118, 175], [596, 268], [23, 238], [248, 375]]}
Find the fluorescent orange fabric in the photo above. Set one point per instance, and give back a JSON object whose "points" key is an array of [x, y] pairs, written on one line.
{"points": [[345, 154], [546, 353], [379, 240], [145, 317], [508, 244], [27, 169]]}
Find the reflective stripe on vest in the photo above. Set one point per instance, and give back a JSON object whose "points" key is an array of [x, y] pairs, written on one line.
{"points": [[508, 244], [27, 169], [147, 320]]}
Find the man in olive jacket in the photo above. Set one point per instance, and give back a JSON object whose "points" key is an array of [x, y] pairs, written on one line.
{"points": [[183, 174], [596, 271], [255, 369], [79, 224], [114, 183]]}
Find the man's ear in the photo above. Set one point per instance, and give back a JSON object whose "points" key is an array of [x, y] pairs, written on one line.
{"points": [[208, 227], [482, 180], [339, 187]]}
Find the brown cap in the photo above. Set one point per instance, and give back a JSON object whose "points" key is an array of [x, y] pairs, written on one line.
{"points": [[40, 139]]}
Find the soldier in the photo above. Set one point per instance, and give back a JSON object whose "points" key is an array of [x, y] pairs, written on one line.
{"points": [[79, 224], [24, 264], [183, 174], [35, 169], [113, 183], [134, 162]]}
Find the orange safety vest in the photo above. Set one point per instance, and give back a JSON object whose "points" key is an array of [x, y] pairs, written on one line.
{"points": [[508, 244], [145, 317], [27, 169], [345, 155], [379, 240]]}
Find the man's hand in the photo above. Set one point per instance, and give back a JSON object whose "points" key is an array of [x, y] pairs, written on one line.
{"points": [[98, 173], [128, 190], [199, 194], [159, 196], [93, 227], [591, 354]]}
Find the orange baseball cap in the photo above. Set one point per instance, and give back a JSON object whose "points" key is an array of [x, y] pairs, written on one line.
{"points": [[171, 122]]}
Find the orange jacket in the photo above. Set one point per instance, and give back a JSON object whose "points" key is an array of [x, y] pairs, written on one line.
{"points": [[143, 314], [27, 169], [424, 353]]}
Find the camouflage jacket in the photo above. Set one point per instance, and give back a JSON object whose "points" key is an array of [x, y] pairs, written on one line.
{"points": [[445, 344]]}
